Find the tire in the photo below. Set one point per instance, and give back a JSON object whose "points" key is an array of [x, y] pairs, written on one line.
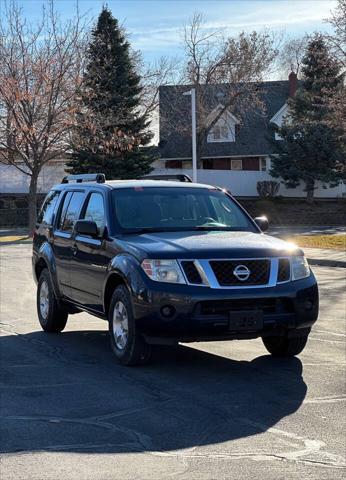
{"points": [[285, 347], [128, 345], [51, 316]]}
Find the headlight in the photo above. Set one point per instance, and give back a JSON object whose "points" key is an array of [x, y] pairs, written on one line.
{"points": [[300, 268], [167, 271]]}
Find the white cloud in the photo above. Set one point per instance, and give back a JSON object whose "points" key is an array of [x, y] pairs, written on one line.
{"points": [[293, 16]]}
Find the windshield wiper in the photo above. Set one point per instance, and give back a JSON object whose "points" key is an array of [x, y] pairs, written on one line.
{"points": [[211, 228]]}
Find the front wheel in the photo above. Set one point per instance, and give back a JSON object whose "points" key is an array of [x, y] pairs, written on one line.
{"points": [[285, 347], [127, 344], [51, 316]]}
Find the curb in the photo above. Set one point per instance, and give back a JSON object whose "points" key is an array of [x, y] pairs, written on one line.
{"points": [[320, 262]]}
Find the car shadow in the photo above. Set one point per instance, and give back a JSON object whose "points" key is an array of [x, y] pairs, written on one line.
{"points": [[67, 393]]}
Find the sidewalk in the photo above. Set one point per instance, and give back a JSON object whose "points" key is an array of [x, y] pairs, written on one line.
{"points": [[325, 257]]}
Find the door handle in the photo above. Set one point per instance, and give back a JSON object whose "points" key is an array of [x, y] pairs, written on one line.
{"points": [[74, 249]]}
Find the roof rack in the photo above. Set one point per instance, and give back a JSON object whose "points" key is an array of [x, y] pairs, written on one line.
{"points": [[181, 177], [85, 177]]}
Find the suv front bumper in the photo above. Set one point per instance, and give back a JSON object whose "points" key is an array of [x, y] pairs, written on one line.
{"points": [[202, 313]]}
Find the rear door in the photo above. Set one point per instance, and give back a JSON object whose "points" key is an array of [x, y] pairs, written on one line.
{"points": [[90, 258], [62, 238]]}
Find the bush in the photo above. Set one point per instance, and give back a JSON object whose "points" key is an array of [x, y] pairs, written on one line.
{"points": [[267, 188]]}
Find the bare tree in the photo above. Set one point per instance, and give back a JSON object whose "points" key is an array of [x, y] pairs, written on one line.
{"points": [[291, 55], [337, 41], [164, 71], [235, 64], [40, 68]]}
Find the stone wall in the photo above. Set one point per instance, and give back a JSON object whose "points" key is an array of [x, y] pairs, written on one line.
{"points": [[295, 211], [14, 210]]}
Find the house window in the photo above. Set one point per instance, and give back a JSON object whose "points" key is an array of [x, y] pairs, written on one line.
{"points": [[217, 163], [221, 133], [208, 164], [251, 163], [187, 164], [224, 130], [221, 164], [237, 164], [263, 164], [173, 164]]}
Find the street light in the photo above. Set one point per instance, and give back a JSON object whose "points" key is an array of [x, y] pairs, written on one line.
{"points": [[192, 93]]}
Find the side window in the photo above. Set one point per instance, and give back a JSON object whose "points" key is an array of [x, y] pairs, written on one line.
{"points": [[95, 211], [48, 207], [70, 211], [63, 209]]}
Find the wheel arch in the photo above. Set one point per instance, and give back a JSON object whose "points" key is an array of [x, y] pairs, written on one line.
{"points": [[40, 265], [113, 281]]}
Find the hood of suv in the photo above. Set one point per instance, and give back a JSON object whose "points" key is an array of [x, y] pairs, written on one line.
{"points": [[213, 244]]}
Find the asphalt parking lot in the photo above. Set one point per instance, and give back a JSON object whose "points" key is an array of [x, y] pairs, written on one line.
{"points": [[204, 411]]}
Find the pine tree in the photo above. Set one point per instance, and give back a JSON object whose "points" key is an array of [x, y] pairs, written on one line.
{"points": [[310, 149], [112, 134]]}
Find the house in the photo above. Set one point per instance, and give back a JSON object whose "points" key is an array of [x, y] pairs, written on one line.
{"points": [[235, 151], [237, 141]]}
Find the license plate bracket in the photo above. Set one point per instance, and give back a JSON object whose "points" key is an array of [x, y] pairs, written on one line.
{"points": [[246, 320]]}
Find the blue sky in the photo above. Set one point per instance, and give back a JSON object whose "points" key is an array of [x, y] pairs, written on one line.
{"points": [[155, 25]]}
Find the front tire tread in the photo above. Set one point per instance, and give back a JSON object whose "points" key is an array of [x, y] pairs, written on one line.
{"points": [[56, 319], [137, 351]]}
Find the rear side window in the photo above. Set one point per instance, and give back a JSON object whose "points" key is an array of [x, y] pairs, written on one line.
{"points": [[95, 211], [48, 208], [70, 211]]}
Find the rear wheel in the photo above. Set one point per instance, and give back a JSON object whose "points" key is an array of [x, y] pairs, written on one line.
{"points": [[285, 347], [51, 316], [127, 344]]}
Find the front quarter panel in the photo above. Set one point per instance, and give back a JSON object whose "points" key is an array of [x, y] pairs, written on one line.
{"points": [[129, 269]]}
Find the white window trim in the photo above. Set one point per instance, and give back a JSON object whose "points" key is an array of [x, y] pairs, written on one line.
{"points": [[237, 160], [279, 115], [231, 123], [278, 119]]}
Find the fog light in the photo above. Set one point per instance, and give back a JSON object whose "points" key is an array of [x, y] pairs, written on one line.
{"points": [[308, 304], [167, 311]]}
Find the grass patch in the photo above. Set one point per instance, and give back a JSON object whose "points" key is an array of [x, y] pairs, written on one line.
{"points": [[336, 242], [13, 238]]}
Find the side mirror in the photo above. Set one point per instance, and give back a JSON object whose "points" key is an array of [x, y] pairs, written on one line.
{"points": [[86, 227], [262, 223]]}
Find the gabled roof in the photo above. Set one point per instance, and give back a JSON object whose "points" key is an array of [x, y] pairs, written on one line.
{"points": [[279, 113], [217, 109], [254, 133]]}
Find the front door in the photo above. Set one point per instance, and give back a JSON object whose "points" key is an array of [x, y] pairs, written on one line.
{"points": [[89, 258]]}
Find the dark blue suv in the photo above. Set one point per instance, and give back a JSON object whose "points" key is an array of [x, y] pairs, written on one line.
{"points": [[167, 262]]}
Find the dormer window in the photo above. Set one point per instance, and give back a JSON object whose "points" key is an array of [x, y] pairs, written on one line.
{"points": [[279, 119], [224, 129], [220, 132]]}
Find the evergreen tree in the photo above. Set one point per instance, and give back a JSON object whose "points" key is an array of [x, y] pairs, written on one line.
{"points": [[310, 149], [111, 135]]}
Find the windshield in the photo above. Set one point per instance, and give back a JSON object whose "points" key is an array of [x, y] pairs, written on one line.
{"points": [[173, 209]]}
